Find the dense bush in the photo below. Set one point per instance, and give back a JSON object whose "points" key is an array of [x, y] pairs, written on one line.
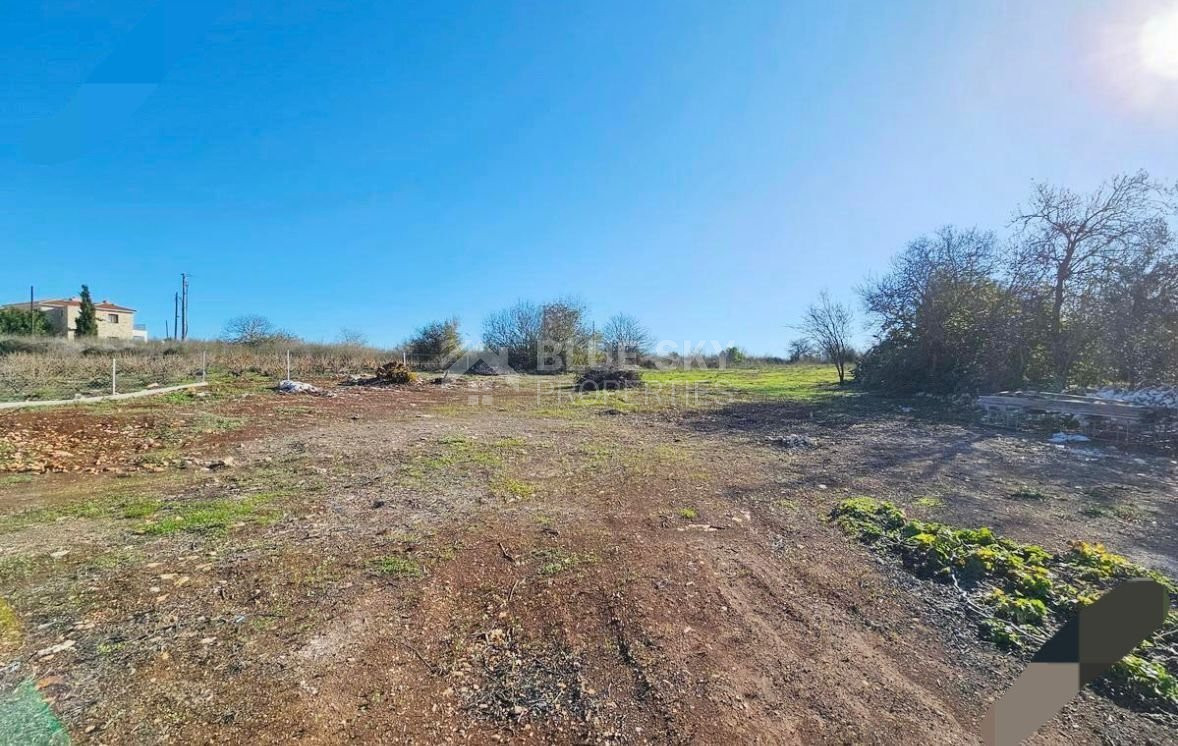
{"points": [[1085, 292]]}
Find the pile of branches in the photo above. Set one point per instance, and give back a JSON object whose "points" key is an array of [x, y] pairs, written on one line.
{"points": [[395, 371], [608, 379]]}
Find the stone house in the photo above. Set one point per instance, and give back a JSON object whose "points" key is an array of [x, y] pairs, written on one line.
{"points": [[114, 321]]}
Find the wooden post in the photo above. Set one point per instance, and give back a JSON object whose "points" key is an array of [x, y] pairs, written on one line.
{"points": [[288, 365], [114, 375]]}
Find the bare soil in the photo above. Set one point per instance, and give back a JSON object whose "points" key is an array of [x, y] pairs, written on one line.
{"points": [[434, 564]]}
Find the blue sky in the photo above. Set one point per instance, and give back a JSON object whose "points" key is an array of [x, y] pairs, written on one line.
{"points": [[708, 167]]}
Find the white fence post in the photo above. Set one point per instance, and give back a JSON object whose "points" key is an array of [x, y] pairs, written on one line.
{"points": [[114, 375], [204, 365]]}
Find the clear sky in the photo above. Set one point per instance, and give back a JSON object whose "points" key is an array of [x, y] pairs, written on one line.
{"points": [[706, 166]]}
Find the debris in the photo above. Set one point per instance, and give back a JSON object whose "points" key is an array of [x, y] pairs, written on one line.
{"points": [[608, 379], [792, 441], [482, 368], [1162, 397], [287, 386], [1068, 438], [55, 649]]}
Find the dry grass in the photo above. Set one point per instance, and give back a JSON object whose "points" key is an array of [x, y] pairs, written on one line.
{"points": [[51, 368]]}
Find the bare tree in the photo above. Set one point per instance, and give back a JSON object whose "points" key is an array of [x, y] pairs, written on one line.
{"points": [[800, 349], [1070, 242], [625, 339], [564, 335], [252, 329], [352, 337], [515, 330], [827, 324]]}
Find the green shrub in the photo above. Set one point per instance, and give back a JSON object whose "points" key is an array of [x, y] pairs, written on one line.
{"points": [[1023, 588]]}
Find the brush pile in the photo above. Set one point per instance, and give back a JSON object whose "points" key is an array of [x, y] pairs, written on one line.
{"points": [[608, 379]]}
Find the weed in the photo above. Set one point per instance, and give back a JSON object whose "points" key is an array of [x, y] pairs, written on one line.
{"points": [[398, 567], [512, 489], [9, 625], [689, 513], [928, 502], [1023, 587], [108, 649], [556, 561], [1027, 493], [16, 567], [208, 422]]}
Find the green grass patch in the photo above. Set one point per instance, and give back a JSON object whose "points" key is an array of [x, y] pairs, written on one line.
{"points": [[212, 516], [398, 566], [802, 382], [688, 513], [120, 506], [1025, 590], [928, 502], [509, 488], [9, 625]]}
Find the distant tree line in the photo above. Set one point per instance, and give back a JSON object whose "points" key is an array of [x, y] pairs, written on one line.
{"points": [[1084, 291], [557, 336]]}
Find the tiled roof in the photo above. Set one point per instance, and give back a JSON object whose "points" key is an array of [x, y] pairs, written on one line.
{"points": [[58, 302]]}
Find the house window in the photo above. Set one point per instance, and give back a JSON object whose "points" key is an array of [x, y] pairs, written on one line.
{"points": [[112, 318]]}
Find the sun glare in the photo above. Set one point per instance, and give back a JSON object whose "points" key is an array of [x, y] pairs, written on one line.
{"points": [[1159, 44]]}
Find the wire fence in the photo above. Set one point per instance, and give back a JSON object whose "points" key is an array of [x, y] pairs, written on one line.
{"points": [[50, 376]]}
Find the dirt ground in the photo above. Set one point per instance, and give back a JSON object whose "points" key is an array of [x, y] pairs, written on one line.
{"points": [[494, 561]]}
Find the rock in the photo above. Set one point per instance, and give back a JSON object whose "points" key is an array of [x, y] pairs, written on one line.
{"points": [[792, 441], [55, 649], [223, 463]]}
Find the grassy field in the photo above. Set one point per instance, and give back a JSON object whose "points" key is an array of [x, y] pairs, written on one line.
{"points": [[801, 382]]}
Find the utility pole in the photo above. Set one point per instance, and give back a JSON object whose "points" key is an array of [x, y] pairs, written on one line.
{"points": [[32, 314], [183, 305], [176, 316]]}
